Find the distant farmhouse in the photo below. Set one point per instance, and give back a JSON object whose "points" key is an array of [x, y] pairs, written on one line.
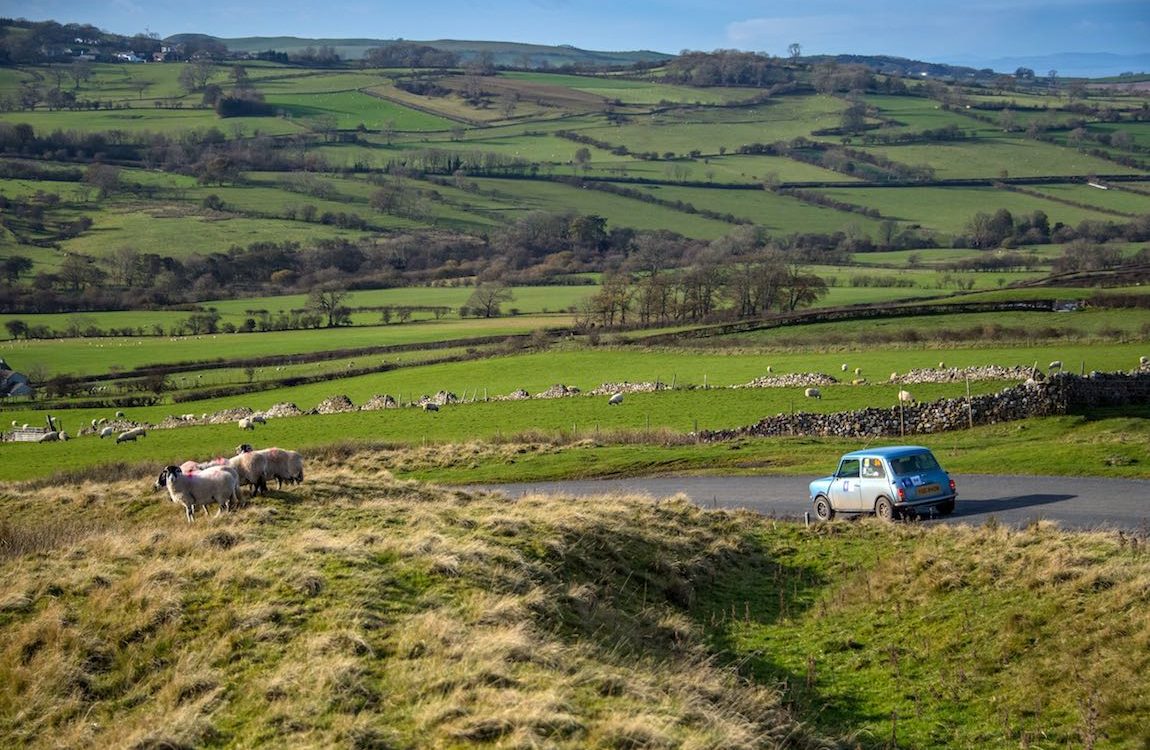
{"points": [[13, 383]]}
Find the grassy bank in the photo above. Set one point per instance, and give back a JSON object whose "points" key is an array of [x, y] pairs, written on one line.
{"points": [[362, 611]]}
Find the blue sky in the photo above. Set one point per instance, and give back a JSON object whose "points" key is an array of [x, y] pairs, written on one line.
{"points": [[955, 31]]}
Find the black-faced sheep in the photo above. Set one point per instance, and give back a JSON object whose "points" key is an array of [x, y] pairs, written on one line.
{"points": [[252, 468], [107, 431], [615, 400], [283, 465], [813, 393], [213, 485], [1055, 365]]}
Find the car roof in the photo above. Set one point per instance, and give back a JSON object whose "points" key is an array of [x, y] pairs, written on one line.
{"points": [[890, 451]]}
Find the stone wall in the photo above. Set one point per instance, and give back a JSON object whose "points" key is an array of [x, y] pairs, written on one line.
{"points": [[1059, 394]]}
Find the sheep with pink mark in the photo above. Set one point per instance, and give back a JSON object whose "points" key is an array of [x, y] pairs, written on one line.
{"points": [[199, 489], [284, 465]]}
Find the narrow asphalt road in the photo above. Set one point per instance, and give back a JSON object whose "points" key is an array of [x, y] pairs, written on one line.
{"points": [[1073, 502]]}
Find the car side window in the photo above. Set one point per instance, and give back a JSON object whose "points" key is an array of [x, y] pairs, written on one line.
{"points": [[872, 468], [848, 468]]}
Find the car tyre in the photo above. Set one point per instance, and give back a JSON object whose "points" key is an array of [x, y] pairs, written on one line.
{"points": [[823, 509], [945, 509], [883, 509]]}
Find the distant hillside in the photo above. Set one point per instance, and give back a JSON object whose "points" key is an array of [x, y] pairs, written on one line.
{"points": [[1071, 64], [901, 66], [503, 53]]}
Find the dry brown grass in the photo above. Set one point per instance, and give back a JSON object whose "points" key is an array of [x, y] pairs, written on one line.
{"points": [[357, 610]]}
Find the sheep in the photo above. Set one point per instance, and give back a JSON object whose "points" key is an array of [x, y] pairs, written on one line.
{"points": [[259, 419], [119, 415], [615, 400], [844, 367], [942, 365], [214, 485], [247, 424], [905, 397], [858, 371], [131, 435], [1055, 365], [813, 393], [770, 369], [107, 431], [251, 468], [429, 406], [284, 465], [49, 437]]}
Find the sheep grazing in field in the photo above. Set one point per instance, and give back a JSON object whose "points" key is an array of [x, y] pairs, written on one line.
{"points": [[283, 465], [1056, 365], [247, 424], [107, 431], [49, 437], [129, 436], [844, 367], [813, 393], [429, 406], [858, 371], [201, 489], [119, 415], [259, 419], [615, 400], [942, 365], [770, 369], [905, 397]]}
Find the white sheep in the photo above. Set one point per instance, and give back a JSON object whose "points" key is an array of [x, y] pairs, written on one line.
{"points": [[213, 485], [251, 468], [107, 431], [858, 371], [615, 400], [844, 367], [942, 365], [905, 397], [131, 435], [119, 415], [49, 437], [247, 424], [284, 465], [813, 393]]}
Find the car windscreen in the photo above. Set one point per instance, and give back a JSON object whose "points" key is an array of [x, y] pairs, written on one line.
{"points": [[916, 463]]}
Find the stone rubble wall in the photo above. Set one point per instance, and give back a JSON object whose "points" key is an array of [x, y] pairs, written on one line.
{"points": [[1059, 394]]}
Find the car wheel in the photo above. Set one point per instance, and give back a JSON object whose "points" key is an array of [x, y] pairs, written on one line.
{"points": [[946, 508], [883, 509], [823, 509]]}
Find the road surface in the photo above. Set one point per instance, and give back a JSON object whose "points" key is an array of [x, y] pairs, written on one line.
{"points": [[1074, 502]]}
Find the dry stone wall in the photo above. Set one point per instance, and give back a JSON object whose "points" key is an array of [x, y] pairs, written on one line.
{"points": [[1059, 394]]}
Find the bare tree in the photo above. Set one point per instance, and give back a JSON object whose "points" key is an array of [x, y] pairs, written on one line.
{"points": [[487, 298], [328, 301]]}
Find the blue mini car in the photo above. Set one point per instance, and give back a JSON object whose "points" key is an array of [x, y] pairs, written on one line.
{"points": [[889, 482]]}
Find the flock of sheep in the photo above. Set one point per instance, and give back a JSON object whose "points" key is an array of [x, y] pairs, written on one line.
{"points": [[196, 485]]}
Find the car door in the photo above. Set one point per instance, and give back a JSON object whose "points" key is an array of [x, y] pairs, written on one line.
{"points": [[845, 489], [873, 482]]}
